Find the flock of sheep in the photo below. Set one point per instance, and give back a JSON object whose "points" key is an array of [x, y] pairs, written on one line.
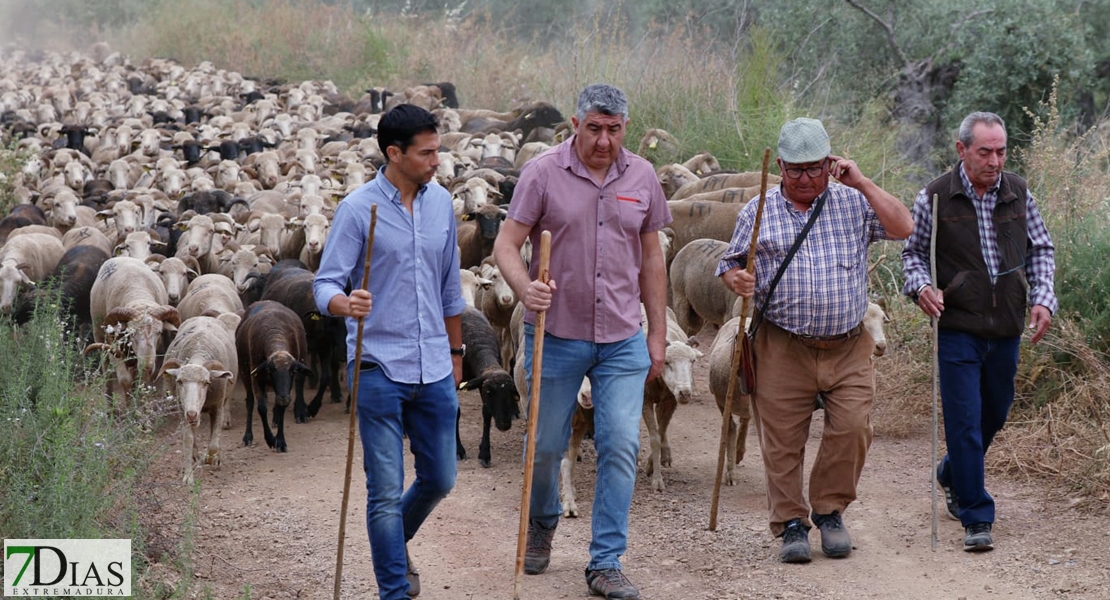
{"points": [[180, 213]]}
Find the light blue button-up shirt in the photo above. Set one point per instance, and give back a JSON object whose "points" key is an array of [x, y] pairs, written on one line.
{"points": [[414, 277]]}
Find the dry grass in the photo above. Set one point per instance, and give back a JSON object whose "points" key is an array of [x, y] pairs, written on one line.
{"points": [[1067, 440]]}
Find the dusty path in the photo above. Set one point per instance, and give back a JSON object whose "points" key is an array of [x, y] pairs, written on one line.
{"points": [[268, 523]]}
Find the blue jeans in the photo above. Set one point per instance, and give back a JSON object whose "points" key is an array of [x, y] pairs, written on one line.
{"points": [[976, 391], [426, 413], [617, 373]]}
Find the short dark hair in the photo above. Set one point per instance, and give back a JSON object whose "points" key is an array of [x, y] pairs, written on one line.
{"points": [[401, 124]]}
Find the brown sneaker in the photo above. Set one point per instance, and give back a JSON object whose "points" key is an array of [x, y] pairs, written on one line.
{"points": [[412, 575], [537, 552], [611, 583]]}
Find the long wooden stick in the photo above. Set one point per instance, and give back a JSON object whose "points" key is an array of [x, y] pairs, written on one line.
{"points": [[936, 371], [738, 350], [353, 410], [533, 416]]}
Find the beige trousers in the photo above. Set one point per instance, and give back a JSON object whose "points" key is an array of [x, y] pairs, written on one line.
{"points": [[789, 374]]}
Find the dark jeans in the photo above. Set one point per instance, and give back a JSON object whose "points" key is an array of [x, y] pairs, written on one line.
{"points": [[426, 413], [976, 390]]}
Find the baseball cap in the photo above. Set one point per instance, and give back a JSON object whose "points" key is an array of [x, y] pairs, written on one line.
{"points": [[803, 141]]}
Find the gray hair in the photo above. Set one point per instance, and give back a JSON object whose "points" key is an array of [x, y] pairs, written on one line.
{"points": [[970, 121], [602, 98]]}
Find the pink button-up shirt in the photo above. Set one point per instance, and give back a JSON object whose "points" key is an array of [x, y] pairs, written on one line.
{"points": [[595, 239]]}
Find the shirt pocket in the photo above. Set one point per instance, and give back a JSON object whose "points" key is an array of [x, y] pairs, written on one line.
{"points": [[632, 206]]}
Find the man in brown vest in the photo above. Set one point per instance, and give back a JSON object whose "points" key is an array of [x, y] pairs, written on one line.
{"points": [[994, 257]]}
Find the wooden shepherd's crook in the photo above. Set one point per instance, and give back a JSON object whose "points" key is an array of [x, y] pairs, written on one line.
{"points": [[533, 416], [936, 372], [353, 410], [738, 349]]}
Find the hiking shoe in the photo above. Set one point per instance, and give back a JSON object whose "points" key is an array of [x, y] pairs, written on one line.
{"points": [[950, 499], [835, 541], [978, 538], [795, 542], [412, 575], [537, 552], [610, 583]]}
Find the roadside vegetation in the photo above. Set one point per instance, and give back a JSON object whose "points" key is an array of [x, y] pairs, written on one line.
{"points": [[724, 80]]}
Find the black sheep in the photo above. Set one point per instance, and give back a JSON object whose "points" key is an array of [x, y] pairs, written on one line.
{"points": [[271, 344], [482, 371]]}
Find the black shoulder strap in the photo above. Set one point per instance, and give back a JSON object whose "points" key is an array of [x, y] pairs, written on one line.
{"points": [[758, 318]]}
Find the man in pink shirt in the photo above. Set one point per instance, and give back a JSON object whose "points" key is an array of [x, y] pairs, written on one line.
{"points": [[603, 206]]}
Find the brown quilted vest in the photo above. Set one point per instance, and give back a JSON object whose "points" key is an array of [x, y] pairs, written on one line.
{"points": [[971, 302]]}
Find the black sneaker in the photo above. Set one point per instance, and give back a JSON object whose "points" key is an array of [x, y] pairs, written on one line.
{"points": [[950, 499], [611, 583], [835, 541], [537, 552], [795, 542], [412, 575], [978, 538]]}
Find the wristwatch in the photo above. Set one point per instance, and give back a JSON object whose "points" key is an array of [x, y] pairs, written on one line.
{"points": [[460, 351]]}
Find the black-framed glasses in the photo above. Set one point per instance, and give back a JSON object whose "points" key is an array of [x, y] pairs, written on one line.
{"points": [[812, 172]]}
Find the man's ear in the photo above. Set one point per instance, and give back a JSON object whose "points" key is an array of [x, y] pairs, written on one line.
{"points": [[393, 152]]}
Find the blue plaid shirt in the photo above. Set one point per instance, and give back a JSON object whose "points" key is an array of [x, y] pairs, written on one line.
{"points": [[1040, 262], [824, 289]]}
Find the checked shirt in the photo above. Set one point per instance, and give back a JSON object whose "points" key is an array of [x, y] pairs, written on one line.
{"points": [[824, 289]]}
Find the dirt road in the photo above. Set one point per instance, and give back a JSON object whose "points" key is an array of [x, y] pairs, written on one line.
{"points": [[268, 525]]}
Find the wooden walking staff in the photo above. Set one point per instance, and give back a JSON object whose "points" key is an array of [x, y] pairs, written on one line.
{"points": [[741, 352], [936, 370], [353, 410], [533, 416]]}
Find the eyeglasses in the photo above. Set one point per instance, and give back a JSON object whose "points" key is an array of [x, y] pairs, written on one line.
{"points": [[812, 172]]}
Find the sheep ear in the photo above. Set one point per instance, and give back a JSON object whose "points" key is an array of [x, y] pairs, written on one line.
{"points": [[473, 384]]}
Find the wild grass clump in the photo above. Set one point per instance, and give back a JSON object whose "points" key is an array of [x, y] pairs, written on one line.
{"points": [[69, 459], [73, 462]]}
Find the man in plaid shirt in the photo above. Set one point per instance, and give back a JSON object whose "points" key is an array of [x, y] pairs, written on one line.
{"points": [[994, 255], [811, 340]]}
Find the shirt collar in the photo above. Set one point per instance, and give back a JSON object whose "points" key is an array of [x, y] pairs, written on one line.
{"points": [[970, 189], [391, 190], [568, 158]]}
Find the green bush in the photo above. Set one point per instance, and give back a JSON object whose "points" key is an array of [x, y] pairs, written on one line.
{"points": [[70, 461]]}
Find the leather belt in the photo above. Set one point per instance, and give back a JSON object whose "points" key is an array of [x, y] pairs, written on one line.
{"points": [[824, 343]]}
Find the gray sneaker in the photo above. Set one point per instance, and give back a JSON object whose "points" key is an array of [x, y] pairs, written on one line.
{"points": [[835, 541], [412, 575], [537, 551], [978, 538], [611, 583], [795, 542]]}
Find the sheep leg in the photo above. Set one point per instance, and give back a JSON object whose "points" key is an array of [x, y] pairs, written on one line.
{"points": [[266, 431], [652, 467], [317, 401], [730, 453], [569, 497], [248, 436], [333, 365], [460, 452], [279, 440], [484, 455], [215, 419], [664, 410], [300, 410], [188, 451], [742, 437]]}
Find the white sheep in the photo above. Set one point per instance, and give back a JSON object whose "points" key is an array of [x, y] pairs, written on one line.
{"points": [[25, 260], [130, 310], [203, 366]]}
